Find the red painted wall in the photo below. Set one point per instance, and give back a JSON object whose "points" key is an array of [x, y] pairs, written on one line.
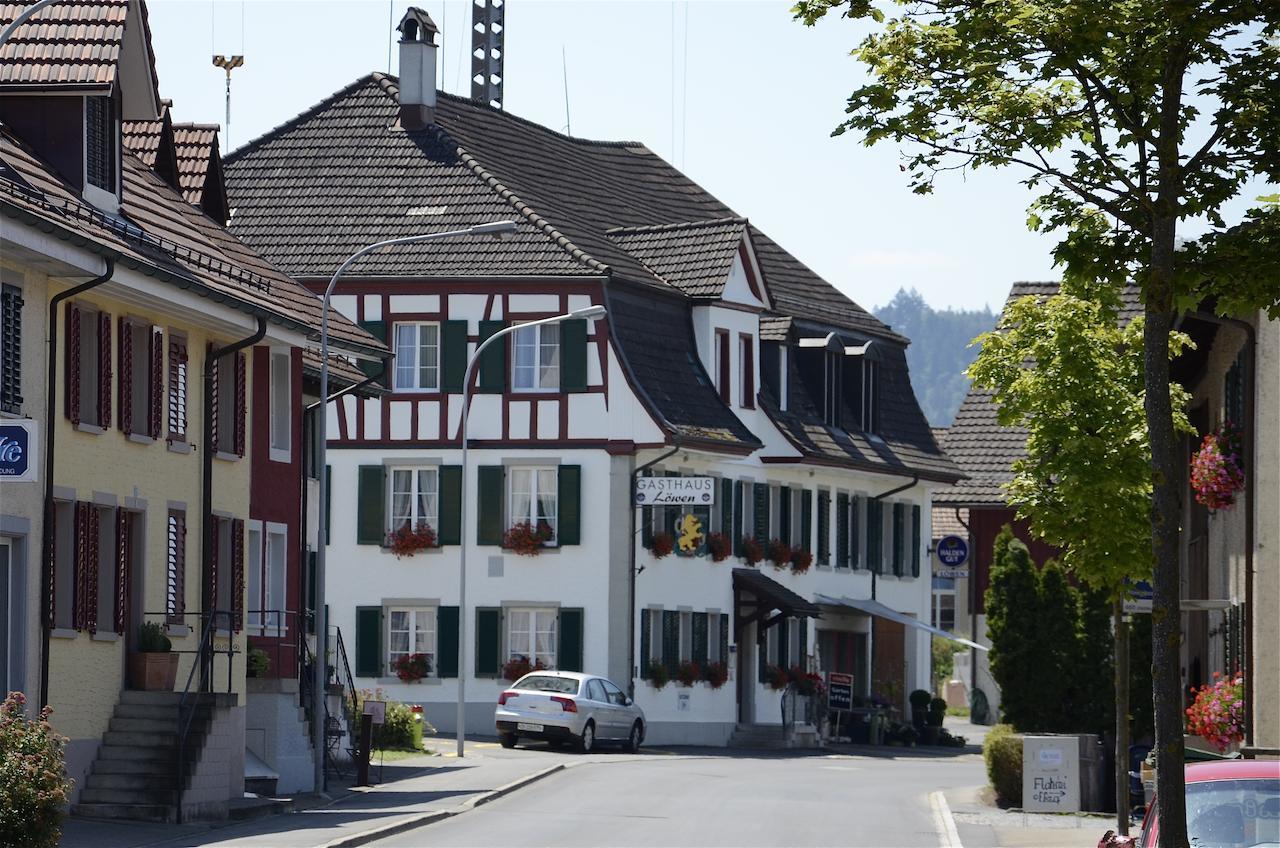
{"points": [[984, 526]]}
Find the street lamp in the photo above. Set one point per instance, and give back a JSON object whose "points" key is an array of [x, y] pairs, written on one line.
{"points": [[498, 229], [590, 313]]}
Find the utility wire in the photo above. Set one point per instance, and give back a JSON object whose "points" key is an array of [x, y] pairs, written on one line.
{"points": [[684, 95], [391, 23]]}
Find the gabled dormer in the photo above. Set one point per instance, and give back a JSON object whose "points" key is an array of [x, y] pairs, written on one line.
{"points": [[824, 376], [200, 169], [707, 260], [153, 143], [69, 76]]}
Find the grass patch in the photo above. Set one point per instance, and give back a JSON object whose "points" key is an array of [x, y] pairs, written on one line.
{"points": [[394, 754], [959, 712]]}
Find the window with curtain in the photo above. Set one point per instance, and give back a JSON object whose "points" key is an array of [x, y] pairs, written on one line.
{"points": [[411, 630], [417, 357], [536, 359], [531, 633], [281, 404], [415, 497], [533, 497]]}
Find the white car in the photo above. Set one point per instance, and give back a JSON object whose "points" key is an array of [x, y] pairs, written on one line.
{"points": [[565, 706]]}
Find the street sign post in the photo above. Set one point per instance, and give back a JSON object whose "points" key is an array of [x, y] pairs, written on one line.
{"points": [[1138, 597]]}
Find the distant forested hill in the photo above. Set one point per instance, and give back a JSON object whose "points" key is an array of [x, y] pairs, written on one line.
{"points": [[939, 352]]}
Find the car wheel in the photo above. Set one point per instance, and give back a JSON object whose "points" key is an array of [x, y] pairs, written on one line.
{"points": [[508, 740], [633, 741], [587, 741]]}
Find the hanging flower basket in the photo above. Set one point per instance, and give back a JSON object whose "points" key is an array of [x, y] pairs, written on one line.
{"points": [[525, 539], [779, 553], [411, 667], [719, 546], [661, 545], [408, 540], [800, 561], [688, 673], [1217, 715], [1216, 474], [514, 669], [715, 673], [751, 550]]}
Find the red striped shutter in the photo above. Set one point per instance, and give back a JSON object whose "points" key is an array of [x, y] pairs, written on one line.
{"points": [[52, 567], [125, 386], [71, 367], [178, 607], [213, 570], [237, 574], [104, 370], [240, 404], [212, 411], [122, 569], [79, 603], [177, 390], [157, 381], [92, 553]]}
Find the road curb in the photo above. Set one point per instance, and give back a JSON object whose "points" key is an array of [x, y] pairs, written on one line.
{"points": [[364, 837]]}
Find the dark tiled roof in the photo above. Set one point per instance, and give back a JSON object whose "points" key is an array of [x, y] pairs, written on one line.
{"points": [[72, 43], [142, 138], [947, 523], [775, 328], [985, 449], [197, 145], [342, 373], [162, 235], [695, 257]]}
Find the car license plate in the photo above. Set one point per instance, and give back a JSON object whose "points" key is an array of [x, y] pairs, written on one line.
{"points": [[525, 725]]}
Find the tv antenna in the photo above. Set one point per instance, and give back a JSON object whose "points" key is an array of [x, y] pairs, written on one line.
{"points": [[228, 64]]}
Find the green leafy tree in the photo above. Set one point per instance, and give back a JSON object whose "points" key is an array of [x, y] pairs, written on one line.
{"points": [[1129, 117]]}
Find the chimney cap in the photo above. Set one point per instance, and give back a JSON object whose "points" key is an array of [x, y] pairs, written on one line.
{"points": [[416, 25]]}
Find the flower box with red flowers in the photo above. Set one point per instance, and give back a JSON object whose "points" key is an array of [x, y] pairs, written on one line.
{"points": [[752, 552], [688, 673], [779, 553], [409, 540], [525, 539], [661, 545], [776, 677], [517, 667], [719, 546], [800, 561], [411, 667], [716, 674]]}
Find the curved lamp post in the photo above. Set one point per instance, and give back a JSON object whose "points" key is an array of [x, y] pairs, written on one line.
{"points": [[498, 229], [590, 313]]}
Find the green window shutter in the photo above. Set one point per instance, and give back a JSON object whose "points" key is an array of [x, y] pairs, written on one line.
{"points": [[762, 653], [493, 362], [700, 637], [569, 504], [489, 518], [738, 530], [824, 528], [899, 517], [453, 355], [784, 514], [726, 507], [377, 329], [671, 640], [875, 532], [842, 530], [369, 659], [488, 641], [806, 519], [447, 641], [328, 504], [855, 532], [573, 355], [784, 643], [371, 508], [915, 540], [450, 518], [760, 498], [643, 659], [569, 656], [724, 637], [804, 640]]}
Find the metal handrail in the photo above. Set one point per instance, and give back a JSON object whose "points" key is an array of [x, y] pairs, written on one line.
{"points": [[351, 705]]}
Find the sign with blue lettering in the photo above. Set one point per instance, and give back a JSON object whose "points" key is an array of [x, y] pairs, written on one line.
{"points": [[952, 551], [1138, 597], [18, 447]]}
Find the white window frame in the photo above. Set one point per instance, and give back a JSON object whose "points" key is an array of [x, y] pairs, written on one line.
{"points": [[531, 515], [280, 426], [431, 617], [262, 614], [536, 377], [936, 608], [409, 375], [529, 649], [140, 376], [108, 200], [415, 492]]}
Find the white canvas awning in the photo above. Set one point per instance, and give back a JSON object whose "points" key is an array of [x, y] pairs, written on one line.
{"points": [[871, 607]]}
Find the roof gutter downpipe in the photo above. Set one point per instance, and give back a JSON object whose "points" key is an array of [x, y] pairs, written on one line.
{"points": [[915, 478], [631, 571], [50, 410], [208, 598]]}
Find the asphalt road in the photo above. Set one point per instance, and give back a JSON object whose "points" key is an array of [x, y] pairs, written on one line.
{"points": [[718, 800]]}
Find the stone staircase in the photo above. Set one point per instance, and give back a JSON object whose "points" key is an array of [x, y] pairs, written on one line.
{"points": [[774, 737], [133, 776]]}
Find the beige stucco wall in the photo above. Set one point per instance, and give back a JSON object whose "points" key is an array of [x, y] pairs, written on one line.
{"points": [[1266, 561], [86, 672]]}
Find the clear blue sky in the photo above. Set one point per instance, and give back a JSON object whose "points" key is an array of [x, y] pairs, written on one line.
{"points": [[742, 98]]}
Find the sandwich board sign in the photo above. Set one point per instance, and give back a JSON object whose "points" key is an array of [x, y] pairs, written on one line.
{"points": [[839, 691], [1051, 774]]}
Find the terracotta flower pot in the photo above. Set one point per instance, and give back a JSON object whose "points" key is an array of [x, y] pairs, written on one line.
{"points": [[153, 672]]}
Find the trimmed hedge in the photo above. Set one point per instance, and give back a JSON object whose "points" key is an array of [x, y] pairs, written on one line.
{"points": [[1002, 752]]}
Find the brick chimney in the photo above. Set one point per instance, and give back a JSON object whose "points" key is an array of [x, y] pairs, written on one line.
{"points": [[417, 69]]}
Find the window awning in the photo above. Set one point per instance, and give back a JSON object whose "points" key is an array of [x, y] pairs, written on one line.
{"points": [[876, 608], [774, 594]]}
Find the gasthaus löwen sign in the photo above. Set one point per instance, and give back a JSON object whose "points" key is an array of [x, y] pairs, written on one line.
{"points": [[675, 491]]}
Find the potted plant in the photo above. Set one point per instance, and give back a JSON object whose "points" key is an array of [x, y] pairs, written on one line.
{"points": [[751, 550], [719, 546], [800, 561], [716, 674], [527, 540], [409, 540], [1217, 714], [658, 675], [257, 663], [776, 677], [1216, 474], [919, 700], [154, 667], [932, 733], [779, 553], [517, 667], [688, 673], [661, 545], [807, 683], [411, 668]]}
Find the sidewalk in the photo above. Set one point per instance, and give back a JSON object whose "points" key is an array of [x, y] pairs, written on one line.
{"points": [[412, 791], [979, 822]]}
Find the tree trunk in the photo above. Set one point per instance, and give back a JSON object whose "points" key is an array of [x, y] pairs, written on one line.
{"points": [[1122, 716], [1166, 614]]}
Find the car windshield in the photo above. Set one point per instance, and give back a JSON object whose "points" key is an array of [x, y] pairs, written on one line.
{"points": [[547, 683], [1233, 813]]}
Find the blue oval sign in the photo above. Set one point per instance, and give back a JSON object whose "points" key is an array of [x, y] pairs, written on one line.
{"points": [[952, 551]]}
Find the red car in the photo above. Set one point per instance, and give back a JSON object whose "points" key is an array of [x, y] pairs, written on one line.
{"points": [[1230, 804]]}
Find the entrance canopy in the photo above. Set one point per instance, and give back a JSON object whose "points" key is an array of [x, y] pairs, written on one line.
{"points": [[771, 593], [878, 609]]}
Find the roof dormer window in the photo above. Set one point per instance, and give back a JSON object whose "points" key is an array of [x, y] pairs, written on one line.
{"points": [[101, 153]]}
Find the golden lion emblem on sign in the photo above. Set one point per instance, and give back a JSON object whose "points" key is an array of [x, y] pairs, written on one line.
{"points": [[690, 527]]}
